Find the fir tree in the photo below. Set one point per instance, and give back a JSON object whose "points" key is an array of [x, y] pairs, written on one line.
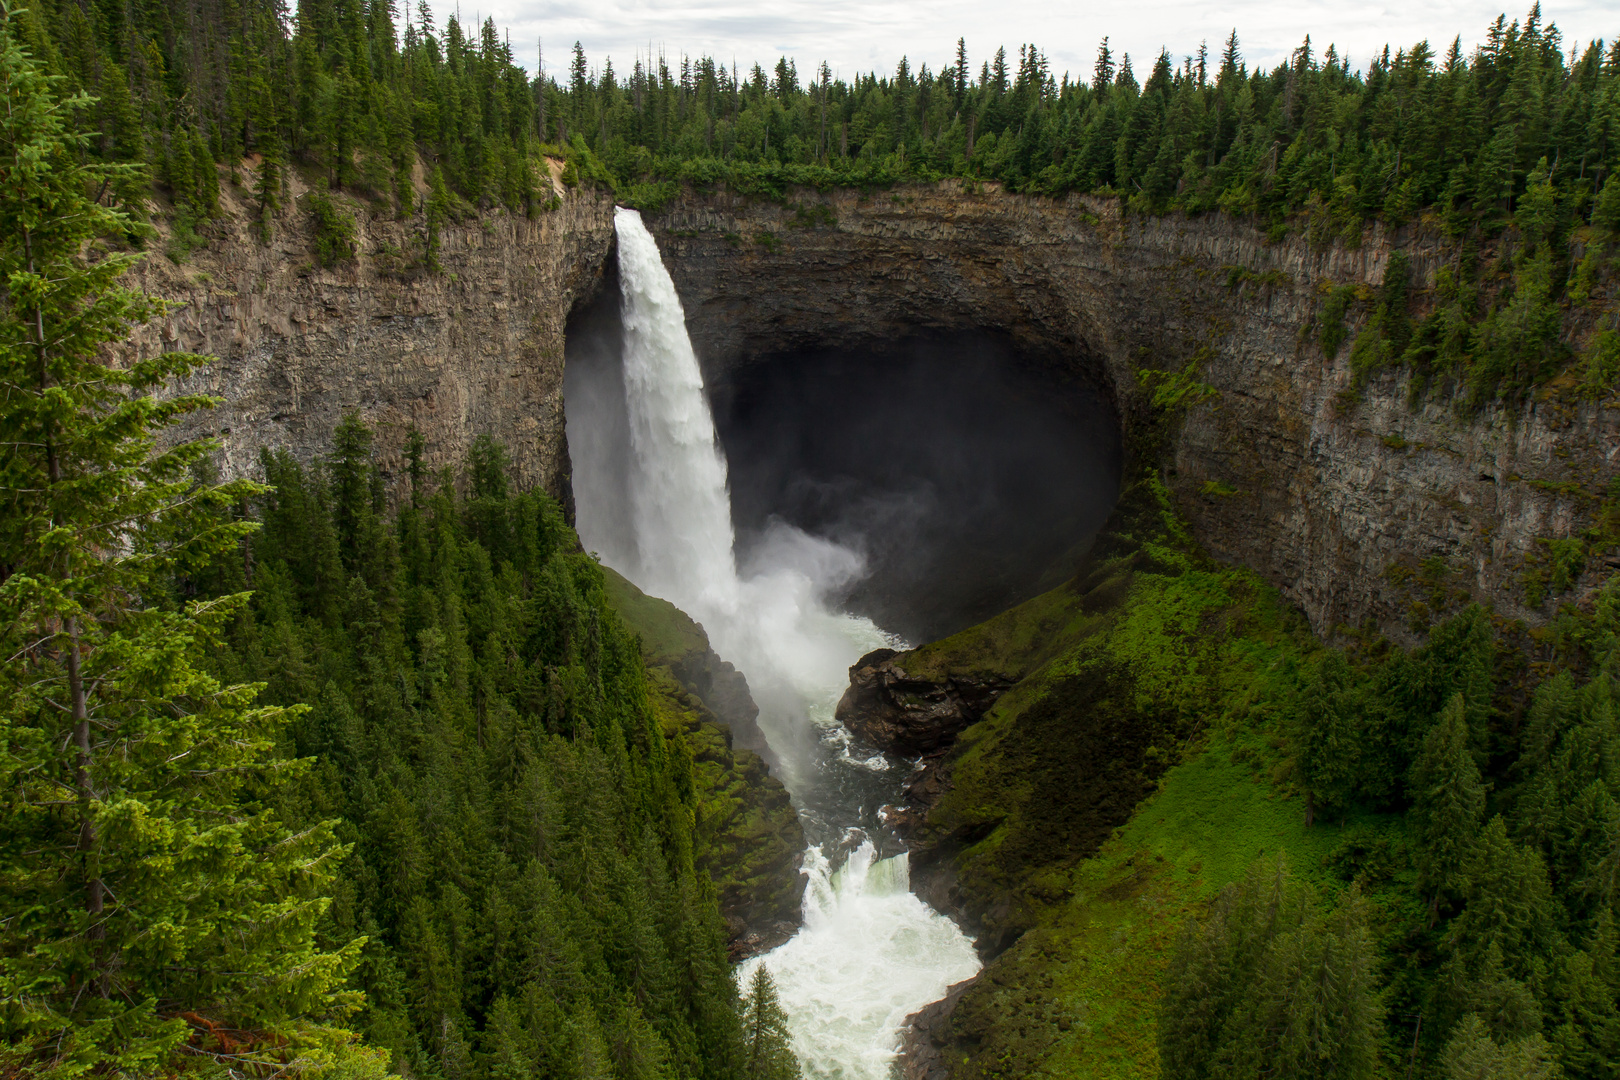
{"points": [[1448, 802], [1266, 983], [1102, 73], [1471, 1054], [1330, 738]]}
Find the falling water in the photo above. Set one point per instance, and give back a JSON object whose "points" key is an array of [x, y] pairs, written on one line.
{"points": [[870, 952]]}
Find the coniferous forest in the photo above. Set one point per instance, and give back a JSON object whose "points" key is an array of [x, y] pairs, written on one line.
{"points": [[369, 92], [325, 774], [284, 769]]}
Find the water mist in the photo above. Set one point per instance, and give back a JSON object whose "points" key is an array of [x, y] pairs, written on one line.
{"points": [[647, 463]]}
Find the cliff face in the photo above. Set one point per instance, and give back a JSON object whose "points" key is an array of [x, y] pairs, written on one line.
{"points": [[1334, 504], [474, 349], [1328, 502]]}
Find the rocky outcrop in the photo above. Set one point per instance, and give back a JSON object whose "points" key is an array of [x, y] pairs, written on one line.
{"points": [[926, 1035], [911, 717]]}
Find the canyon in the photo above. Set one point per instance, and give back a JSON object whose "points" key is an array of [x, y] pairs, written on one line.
{"points": [[1339, 499], [1362, 506]]}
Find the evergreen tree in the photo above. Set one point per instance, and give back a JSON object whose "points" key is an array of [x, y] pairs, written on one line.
{"points": [[141, 876], [525, 864], [767, 1050], [1448, 800], [1471, 1054], [1330, 738], [1312, 1008], [1509, 907], [1265, 983]]}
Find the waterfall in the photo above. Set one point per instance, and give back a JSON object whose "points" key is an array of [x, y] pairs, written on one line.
{"points": [[870, 952], [679, 507]]}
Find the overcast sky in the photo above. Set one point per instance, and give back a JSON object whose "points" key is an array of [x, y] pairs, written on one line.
{"points": [[865, 35]]}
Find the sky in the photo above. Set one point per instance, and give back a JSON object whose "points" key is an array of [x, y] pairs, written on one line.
{"points": [[865, 35]]}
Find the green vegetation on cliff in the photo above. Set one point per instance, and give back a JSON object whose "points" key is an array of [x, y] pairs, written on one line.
{"points": [[746, 834], [1445, 817]]}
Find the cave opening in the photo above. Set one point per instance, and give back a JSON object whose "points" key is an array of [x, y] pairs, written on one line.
{"points": [[967, 472], [969, 477]]}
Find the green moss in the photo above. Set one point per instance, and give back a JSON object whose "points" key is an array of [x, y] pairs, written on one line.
{"points": [[668, 634], [1138, 766], [1077, 996], [1111, 707], [1010, 645]]}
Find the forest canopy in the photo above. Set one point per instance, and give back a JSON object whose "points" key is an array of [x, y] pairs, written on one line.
{"points": [[379, 98]]}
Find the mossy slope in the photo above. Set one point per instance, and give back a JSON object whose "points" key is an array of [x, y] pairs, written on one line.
{"points": [[747, 834], [1131, 773]]}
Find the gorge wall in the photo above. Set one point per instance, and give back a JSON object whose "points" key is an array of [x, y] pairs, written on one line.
{"points": [[1324, 499], [1331, 502], [476, 348]]}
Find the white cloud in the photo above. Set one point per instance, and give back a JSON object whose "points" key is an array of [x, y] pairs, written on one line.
{"points": [[865, 35]]}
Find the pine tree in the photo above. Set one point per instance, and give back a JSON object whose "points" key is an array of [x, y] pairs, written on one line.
{"points": [[961, 80], [1606, 208], [767, 1050], [1266, 985], [1231, 58], [139, 879], [1509, 907], [1102, 73], [1311, 1009], [1330, 738], [437, 212]]}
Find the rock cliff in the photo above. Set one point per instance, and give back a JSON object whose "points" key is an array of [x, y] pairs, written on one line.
{"points": [[1336, 501], [1337, 505], [476, 348]]}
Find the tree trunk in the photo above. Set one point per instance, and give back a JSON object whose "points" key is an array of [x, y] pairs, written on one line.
{"points": [[94, 890]]}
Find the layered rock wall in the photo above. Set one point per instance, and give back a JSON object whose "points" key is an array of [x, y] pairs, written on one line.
{"points": [[1333, 503], [1335, 498], [475, 348]]}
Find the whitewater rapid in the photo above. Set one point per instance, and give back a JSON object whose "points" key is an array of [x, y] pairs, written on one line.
{"points": [[870, 953]]}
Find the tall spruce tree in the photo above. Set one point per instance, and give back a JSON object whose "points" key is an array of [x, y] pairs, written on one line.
{"points": [[767, 1052], [1267, 985], [148, 897], [1330, 738]]}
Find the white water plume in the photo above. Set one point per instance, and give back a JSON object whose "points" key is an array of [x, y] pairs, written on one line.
{"points": [[870, 952]]}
